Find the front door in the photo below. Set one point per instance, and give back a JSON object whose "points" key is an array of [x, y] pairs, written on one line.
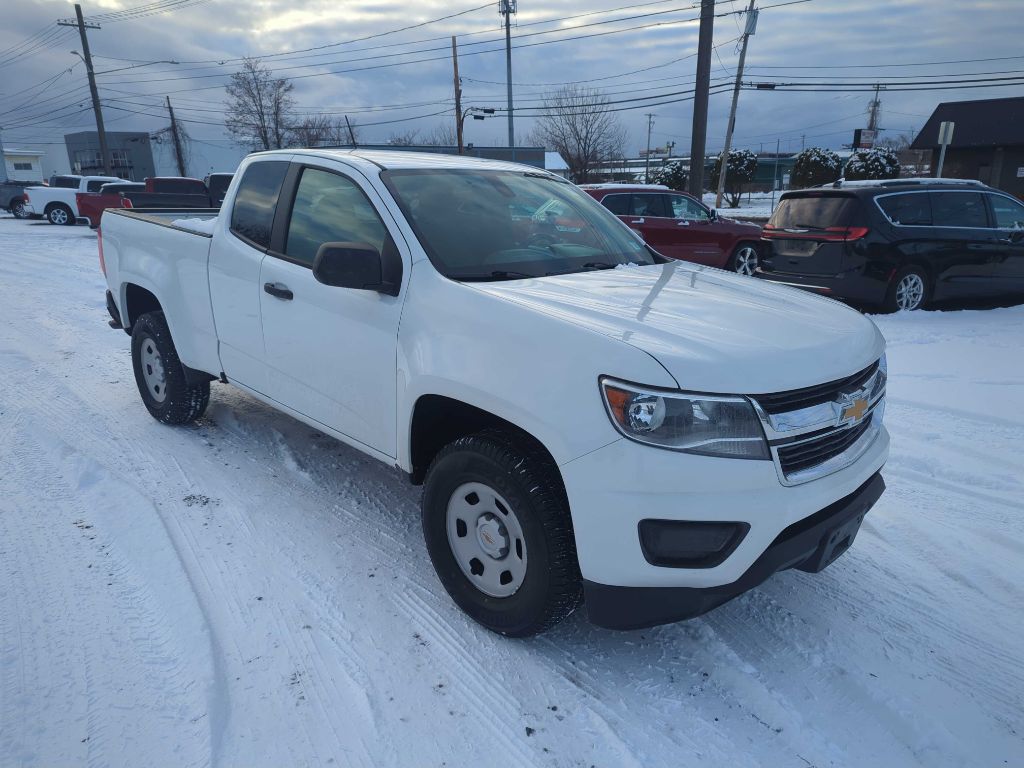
{"points": [[701, 238], [650, 215], [331, 353], [1008, 266]]}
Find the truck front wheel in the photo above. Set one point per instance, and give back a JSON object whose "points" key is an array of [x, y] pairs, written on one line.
{"points": [[498, 530], [160, 376]]}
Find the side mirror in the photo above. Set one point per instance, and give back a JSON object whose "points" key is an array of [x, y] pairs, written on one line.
{"points": [[351, 265], [713, 214]]}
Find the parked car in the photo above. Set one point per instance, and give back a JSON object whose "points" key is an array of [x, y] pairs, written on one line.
{"points": [[899, 246], [92, 204], [554, 398], [217, 185], [57, 202], [680, 226], [12, 198]]}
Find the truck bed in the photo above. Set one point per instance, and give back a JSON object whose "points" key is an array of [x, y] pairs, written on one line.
{"points": [[147, 249]]}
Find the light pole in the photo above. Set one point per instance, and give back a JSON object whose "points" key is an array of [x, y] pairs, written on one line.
{"points": [[506, 8]]}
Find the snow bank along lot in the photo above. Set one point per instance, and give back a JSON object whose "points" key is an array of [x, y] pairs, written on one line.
{"points": [[248, 592]]}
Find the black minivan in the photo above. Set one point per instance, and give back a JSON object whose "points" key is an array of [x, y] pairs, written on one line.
{"points": [[899, 244]]}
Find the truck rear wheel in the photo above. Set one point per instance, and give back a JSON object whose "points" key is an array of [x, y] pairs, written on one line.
{"points": [[18, 209], [498, 531], [160, 376], [60, 214]]}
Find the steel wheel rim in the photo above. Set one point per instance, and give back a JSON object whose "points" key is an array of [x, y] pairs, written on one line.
{"points": [[746, 261], [486, 539], [153, 370], [910, 292], [58, 216]]}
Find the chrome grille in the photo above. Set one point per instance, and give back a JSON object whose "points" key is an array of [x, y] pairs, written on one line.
{"points": [[806, 454], [796, 399]]}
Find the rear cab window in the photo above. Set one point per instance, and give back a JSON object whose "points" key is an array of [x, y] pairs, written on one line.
{"points": [[95, 185], [252, 216], [179, 186], [64, 182], [817, 211]]}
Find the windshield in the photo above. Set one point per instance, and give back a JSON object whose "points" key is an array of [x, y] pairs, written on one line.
{"points": [[506, 225]]}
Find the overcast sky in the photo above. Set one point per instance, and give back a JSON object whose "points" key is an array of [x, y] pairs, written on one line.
{"points": [[812, 41]]}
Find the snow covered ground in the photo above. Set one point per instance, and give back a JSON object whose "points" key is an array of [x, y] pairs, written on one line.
{"points": [[248, 592], [756, 205]]}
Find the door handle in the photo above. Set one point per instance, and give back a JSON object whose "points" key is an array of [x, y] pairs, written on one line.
{"points": [[684, 223], [637, 221], [279, 290]]}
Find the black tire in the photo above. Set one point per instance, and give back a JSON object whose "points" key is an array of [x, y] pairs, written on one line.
{"points": [[18, 209], [60, 214], [742, 262], [525, 476], [182, 402], [897, 297]]}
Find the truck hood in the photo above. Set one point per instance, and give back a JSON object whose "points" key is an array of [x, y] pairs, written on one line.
{"points": [[713, 331]]}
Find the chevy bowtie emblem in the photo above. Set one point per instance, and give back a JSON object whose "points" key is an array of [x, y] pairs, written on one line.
{"points": [[854, 410]]}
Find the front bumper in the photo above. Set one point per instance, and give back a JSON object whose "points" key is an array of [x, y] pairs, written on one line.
{"points": [[808, 545]]}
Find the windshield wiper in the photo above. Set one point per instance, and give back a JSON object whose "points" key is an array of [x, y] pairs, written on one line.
{"points": [[599, 265], [498, 274]]}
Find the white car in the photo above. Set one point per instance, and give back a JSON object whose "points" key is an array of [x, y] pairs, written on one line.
{"points": [[57, 202], [590, 420]]}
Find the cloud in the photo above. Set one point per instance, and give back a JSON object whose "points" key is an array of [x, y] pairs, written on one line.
{"points": [[813, 40]]}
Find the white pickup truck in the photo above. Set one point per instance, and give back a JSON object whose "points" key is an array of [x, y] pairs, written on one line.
{"points": [[57, 201], [590, 421]]}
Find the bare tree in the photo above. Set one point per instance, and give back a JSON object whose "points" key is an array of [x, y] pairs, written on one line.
{"points": [[260, 107], [404, 138], [313, 131], [441, 135], [578, 123]]}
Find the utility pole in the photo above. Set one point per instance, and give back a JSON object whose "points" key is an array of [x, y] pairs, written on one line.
{"points": [[506, 9], [458, 93], [177, 140], [723, 163], [670, 145], [803, 141], [351, 133], [3, 163], [87, 58], [775, 172], [647, 157], [873, 110], [702, 90]]}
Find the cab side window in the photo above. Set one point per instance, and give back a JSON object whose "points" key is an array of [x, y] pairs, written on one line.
{"points": [[649, 205], [252, 216], [958, 209], [328, 209], [685, 208], [1009, 213]]}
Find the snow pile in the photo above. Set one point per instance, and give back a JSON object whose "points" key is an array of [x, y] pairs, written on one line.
{"points": [[202, 226], [249, 592]]}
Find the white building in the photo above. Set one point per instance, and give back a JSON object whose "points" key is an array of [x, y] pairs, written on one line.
{"points": [[23, 165]]}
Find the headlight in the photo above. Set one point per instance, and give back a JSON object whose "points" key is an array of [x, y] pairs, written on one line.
{"points": [[708, 425]]}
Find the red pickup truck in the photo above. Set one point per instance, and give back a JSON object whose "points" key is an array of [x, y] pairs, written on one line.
{"points": [[159, 191], [679, 226], [92, 204]]}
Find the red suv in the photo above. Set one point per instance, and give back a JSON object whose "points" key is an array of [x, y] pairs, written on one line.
{"points": [[679, 226]]}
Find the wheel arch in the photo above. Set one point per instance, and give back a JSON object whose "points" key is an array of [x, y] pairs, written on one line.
{"points": [[137, 302], [437, 420]]}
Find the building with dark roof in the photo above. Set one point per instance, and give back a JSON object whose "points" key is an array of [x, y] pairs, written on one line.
{"points": [[988, 141]]}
